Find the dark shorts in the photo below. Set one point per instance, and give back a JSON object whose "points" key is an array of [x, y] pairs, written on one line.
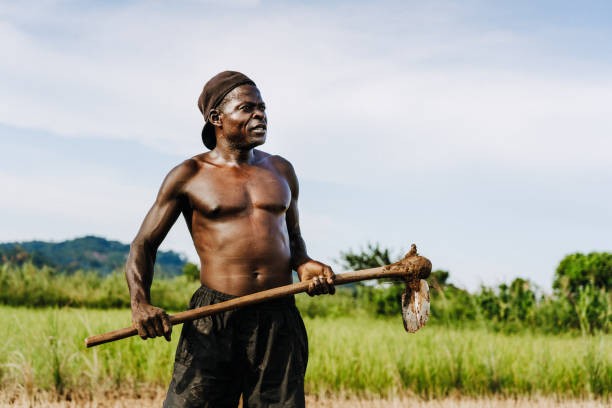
{"points": [[259, 351]]}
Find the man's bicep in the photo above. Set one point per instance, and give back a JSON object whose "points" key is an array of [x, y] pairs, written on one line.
{"points": [[164, 212], [296, 242], [158, 222], [293, 218], [292, 215]]}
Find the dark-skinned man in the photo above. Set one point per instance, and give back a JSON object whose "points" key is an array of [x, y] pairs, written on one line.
{"points": [[240, 205]]}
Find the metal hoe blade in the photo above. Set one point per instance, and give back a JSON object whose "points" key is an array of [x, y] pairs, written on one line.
{"points": [[415, 305]]}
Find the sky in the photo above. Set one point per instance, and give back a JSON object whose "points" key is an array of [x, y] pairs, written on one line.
{"points": [[479, 130]]}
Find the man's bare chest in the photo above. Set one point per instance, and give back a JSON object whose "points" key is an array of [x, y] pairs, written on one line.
{"points": [[225, 193]]}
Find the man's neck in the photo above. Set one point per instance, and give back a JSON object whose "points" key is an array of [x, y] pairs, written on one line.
{"points": [[230, 155]]}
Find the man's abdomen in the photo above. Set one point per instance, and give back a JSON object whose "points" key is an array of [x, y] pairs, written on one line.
{"points": [[245, 254]]}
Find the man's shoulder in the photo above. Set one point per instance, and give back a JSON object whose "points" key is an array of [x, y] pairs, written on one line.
{"points": [[274, 159], [182, 173], [186, 168], [284, 168]]}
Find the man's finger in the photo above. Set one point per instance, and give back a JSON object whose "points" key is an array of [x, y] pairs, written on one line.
{"points": [[159, 327], [322, 288], [167, 327], [332, 288], [330, 277], [144, 334], [323, 285], [311, 289], [150, 327], [141, 330]]}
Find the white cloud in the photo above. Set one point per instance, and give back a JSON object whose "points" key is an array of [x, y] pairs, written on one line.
{"points": [[135, 71]]}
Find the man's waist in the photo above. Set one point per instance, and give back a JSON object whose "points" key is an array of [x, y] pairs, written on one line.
{"points": [[216, 296], [240, 282]]}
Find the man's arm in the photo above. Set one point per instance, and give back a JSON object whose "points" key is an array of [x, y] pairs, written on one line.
{"points": [[321, 274], [151, 321]]}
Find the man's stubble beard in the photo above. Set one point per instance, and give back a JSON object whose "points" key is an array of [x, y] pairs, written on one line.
{"points": [[241, 144]]}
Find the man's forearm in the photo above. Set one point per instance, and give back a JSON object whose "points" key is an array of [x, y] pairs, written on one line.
{"points": [[139, 271], [299, 255]]}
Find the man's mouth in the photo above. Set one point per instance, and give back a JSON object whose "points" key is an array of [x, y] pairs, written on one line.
{"points": [[259, 128]]}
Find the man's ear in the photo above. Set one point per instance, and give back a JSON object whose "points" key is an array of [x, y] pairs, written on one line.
{"points": [[215, 117]]}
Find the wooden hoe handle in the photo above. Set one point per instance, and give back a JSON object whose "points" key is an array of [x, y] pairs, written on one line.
{"points": [[421, 267]]}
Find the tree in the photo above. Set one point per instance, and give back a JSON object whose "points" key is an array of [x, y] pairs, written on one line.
{"points": [[579, 270], [371, 257], [584, 281]]}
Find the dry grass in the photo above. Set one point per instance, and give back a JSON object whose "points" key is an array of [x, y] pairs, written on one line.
{"points": [[455, 403], [155, 399]]}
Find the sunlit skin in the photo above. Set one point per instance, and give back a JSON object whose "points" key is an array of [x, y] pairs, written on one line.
{"points": [[240, 205]]}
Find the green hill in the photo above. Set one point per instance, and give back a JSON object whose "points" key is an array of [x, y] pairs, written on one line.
{"points": [[88, 253]]}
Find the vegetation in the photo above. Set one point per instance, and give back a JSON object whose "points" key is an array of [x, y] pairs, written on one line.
{"points": [[507, 308], [43, 350], [87, 253], [496, 342], [28, 285], [582, 300]]}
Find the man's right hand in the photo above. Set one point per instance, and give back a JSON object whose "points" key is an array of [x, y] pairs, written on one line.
{"points": [[151, 321]]}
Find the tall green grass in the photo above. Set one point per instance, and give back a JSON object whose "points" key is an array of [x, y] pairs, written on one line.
{"points": [[29, 285], [43, 350], [508, 309], [376, 357]]}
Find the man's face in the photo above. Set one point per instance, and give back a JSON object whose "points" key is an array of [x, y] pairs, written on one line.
{"points": [[243, 116]]}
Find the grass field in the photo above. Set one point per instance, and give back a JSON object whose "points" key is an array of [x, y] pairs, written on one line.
{"points": [[358, 357]]}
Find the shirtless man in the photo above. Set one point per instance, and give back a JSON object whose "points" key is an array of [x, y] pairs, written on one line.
{"points": [[240, 205]]}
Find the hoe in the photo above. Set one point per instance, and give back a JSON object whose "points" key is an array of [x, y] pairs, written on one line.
{"points": [[413, 269]]}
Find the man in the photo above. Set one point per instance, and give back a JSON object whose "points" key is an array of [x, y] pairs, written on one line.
{"points": [[240, 205]]}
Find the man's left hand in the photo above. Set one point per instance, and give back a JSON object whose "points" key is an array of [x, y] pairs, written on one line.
{"points": [[321, 276]]}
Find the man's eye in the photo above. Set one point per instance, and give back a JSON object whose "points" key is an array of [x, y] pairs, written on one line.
{"points": [[247, 108]]}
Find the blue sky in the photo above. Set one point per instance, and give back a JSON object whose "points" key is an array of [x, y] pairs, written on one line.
{"points": [[481, 131]]}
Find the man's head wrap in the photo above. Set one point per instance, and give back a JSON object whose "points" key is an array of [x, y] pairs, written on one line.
{"points": [[213, 93]]}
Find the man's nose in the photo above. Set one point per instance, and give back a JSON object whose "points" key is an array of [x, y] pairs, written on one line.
{"points": [[259, 113]]}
